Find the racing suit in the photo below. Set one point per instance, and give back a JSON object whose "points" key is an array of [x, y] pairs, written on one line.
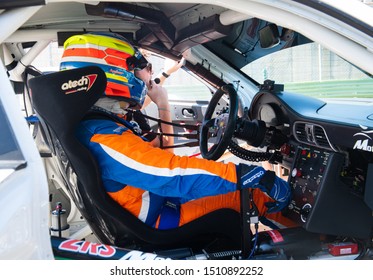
{"points": [[160, 188]]}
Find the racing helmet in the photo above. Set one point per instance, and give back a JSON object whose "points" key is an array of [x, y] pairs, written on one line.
{"points": [[115, 56]]}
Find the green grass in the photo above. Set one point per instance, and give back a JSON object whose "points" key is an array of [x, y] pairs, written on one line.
{"points": [[334, 89], [327, 89]]}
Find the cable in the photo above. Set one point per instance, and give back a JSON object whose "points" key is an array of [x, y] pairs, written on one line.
{"points": [[240, 152], [255, 242]]}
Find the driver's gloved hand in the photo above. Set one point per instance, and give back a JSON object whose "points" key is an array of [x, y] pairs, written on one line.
{"points": [[252, 176]]}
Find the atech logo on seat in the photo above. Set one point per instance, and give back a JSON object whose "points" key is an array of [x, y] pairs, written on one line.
{"points": [[83, 84]]}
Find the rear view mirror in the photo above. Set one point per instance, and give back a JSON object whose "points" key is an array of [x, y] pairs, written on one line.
{"points": [[269, 36]]}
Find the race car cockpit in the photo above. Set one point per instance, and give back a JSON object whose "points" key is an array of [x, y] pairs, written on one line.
{"points": [[287, 84], [330, 178]]}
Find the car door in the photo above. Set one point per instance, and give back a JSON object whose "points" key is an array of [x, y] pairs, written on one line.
{"points": [[24, 223]]}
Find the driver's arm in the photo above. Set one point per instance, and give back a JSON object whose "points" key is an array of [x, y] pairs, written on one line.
{"points": [[159, 96]]}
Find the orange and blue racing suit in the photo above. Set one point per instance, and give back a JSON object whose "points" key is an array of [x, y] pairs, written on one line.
{"points": [[162, 189]]}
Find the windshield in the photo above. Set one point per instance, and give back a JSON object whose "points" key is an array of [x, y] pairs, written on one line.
{"points": [[310, 69]]}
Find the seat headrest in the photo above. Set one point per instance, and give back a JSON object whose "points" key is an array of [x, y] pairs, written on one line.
{"points": [[63, 98]]}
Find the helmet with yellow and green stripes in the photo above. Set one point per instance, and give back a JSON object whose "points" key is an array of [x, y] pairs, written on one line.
{"points": [[113, 54]]}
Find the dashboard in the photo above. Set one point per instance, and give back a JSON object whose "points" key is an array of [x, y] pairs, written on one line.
{"points": [[329, 158]]}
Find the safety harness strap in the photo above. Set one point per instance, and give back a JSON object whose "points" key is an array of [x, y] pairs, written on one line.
{"points": [[170, 216]]}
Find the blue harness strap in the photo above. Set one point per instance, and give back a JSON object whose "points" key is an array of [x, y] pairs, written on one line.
{"points": [[32, 119], [170, 216]]}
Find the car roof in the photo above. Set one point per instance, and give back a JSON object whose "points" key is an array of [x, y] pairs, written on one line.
{"points": [[171, 28]]}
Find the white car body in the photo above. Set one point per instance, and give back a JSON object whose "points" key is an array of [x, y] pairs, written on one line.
{"points": [[24, 198]]}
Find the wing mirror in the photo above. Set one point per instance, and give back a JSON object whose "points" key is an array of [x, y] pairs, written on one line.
{"points": [[269, 36]]}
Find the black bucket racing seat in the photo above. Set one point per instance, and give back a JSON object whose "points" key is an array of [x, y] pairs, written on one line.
{"points": [[61, 100]]}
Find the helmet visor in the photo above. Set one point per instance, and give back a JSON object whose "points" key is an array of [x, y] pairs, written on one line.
{"points": [[137, 61]]}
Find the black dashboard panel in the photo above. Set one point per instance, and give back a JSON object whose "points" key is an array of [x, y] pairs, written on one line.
{"points": [[327, 159]]}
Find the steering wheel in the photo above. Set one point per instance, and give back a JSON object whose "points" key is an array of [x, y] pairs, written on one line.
{"points": [[221, 128]]}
